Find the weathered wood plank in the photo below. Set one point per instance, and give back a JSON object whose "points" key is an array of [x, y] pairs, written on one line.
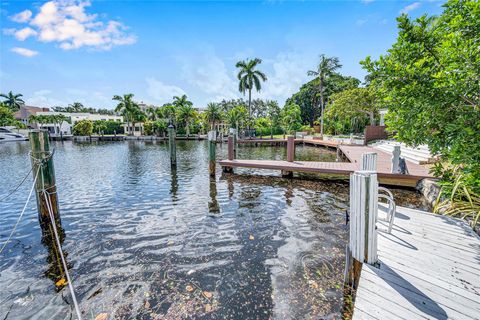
{"points": [[429, 265]]}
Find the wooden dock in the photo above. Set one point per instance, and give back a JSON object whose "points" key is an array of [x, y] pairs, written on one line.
{"points": [[341, 169], [429, 269], [314, 142]]}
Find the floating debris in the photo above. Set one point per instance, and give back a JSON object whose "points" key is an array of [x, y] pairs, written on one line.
{"points": [[102, 316]]}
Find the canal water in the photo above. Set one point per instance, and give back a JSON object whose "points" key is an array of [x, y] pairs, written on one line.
{"points": [[144, 241]]}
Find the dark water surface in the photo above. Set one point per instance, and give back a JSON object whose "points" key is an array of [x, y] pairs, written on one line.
{"points": [[148, 242]]}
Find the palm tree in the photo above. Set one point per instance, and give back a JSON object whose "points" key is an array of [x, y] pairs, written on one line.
{"points": [[137, 115], [59, 119], [213, 114], [169, 112], [325, 69], [76, 107], [236, 115], [186, 113], [249, 78], [41, 119], [151, 113], [126, 106], [13, 101], [273, 113], [33, 119]]}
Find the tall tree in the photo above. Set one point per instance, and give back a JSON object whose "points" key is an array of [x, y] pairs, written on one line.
{"points": [[250, 78], [430, 80], [186, 113], [151, 113], [213, 114], [356, 102], [7, 118], [236, 116], [273, 113], [290, 118], [307, 97], [13, 101], [325, 69], [76, 107], [127, 107]]}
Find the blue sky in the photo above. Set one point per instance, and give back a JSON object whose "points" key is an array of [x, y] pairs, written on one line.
{"points": [[58, 52]]}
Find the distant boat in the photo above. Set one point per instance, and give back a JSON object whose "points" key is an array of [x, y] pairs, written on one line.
{"points": [[8, 135]]}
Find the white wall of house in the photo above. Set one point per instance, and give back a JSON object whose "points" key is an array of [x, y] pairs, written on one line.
{"points": [[136, 131], [66, 128]]}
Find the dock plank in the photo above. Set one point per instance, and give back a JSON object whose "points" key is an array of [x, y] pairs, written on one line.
{"points": [[341, 169], [431, 279]]}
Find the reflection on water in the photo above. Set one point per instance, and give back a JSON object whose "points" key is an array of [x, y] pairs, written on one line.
{"points": [[146, 240]]}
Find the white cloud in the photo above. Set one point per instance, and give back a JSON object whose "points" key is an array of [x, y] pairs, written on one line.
{"points": [[289, 73], [162, 92], [207, 72], [24, 33], [67, 23], [22, 17], [361, 22], [24, 52], [410, 7], [367, 1], [43, 98]]}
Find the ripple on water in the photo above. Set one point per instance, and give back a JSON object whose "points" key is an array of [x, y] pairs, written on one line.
{"points": [[148, 241]]}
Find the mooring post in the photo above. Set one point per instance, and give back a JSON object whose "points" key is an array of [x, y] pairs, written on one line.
{"points": [[396, 159], [233, 132], [291, 148], [369, 161], [231, 156], [172, 146], [290, 155], [211, 151], [363, 219], [45, 187]]}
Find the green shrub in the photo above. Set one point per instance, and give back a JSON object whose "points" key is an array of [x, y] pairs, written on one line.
{"points": [[83, 128]]}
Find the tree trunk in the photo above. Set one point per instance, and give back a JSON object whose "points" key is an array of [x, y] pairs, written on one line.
{"points": [[187, 129]]}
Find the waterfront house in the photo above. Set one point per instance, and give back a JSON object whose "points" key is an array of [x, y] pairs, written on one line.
{"points": [[66, 128]]}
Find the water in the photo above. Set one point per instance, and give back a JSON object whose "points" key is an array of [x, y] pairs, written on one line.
{"points": [[147, 242]]}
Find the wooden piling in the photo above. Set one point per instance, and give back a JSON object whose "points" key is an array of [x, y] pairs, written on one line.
{"points": [[291, 149], [171, 145], [363, 219], [45, 187], [233, 132], [369, 161], [231, 156], [211, 151]]}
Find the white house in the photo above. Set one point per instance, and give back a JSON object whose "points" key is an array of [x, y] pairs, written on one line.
{"points": [[66, 128]]}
